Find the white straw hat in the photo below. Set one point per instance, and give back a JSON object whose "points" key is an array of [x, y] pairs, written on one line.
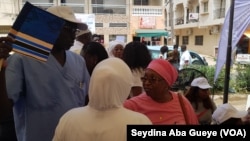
{"points": [[67, 14], [226, 111]]}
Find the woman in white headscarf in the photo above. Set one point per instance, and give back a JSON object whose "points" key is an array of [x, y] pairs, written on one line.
{"points": [[104, 118], [116, 48]]}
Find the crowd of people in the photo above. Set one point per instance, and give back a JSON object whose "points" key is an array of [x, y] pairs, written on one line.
{"points": [[83, 87]]}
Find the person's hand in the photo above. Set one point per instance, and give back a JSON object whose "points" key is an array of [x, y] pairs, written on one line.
{"points": [[246, 119], [5, 48]]}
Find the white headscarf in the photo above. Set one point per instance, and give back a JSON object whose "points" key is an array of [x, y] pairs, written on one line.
{"points": [[110, 84], [112, 45], [104, 118]]}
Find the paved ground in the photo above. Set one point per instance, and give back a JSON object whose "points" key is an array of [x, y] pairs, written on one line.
{"points": [[210, 59], [239, 101]]}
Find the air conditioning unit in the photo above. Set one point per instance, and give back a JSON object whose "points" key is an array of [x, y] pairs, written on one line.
{"points": [[215, 29], [189, 31]]}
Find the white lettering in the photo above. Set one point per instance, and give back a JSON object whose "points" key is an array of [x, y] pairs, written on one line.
{"points": [[232, 132], [208, 134], [176, 132], [144, 134], [133, 132]]}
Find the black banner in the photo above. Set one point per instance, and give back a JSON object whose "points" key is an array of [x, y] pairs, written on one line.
{"points": [[195, 132]]}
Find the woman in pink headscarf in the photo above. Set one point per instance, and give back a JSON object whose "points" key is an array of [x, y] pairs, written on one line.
{"points": [[158, 102]]}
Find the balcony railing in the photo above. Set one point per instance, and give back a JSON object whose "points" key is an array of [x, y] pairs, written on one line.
{"points": [[179, 21], [147, 11], [192, 21]]}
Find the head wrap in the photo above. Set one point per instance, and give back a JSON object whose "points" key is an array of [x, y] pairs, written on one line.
{"points": [[164, 69], [112, 45], [110, 84]]}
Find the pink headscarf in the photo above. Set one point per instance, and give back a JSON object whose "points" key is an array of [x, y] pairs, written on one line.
{"points": [[164, 69]]}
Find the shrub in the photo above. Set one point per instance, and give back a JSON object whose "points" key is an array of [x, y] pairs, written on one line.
{"points": [[209, 72], [242, 78], [239, 78]]}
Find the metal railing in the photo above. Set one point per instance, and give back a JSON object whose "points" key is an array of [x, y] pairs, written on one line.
{"points": [[147, 10]]}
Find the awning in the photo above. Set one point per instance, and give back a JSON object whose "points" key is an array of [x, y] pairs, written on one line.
{"points": [[151, 32]]}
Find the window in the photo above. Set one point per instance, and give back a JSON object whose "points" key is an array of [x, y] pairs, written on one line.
{"points": [[197, 9], [97, 6], [77, 5], [108, 6], [98, 24], [117, 24], [205, 7], [198, 40], [118, 37], [155, 41], [44, 4], [177, 40], [185, 40], [140, 2]]}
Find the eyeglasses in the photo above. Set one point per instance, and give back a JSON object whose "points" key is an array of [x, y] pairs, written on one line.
{"points": [[151, 79]]}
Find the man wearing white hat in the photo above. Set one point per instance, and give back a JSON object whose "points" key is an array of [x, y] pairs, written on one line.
{"points": [[42, 92], [83, 36]]}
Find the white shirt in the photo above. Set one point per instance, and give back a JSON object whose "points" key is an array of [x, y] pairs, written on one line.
{"points": [[77, 47], [185, 56]]}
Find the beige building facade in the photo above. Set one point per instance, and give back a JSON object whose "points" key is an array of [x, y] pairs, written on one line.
{"points": [[113, 19], [196, 23]]}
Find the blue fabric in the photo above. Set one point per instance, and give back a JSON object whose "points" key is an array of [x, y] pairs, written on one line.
{"points": [[43, 91], [31, 29], [241, 21]]}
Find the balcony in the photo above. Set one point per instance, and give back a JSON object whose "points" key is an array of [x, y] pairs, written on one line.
{"points": [[147, 11], [192, 21], [179, 21]]}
